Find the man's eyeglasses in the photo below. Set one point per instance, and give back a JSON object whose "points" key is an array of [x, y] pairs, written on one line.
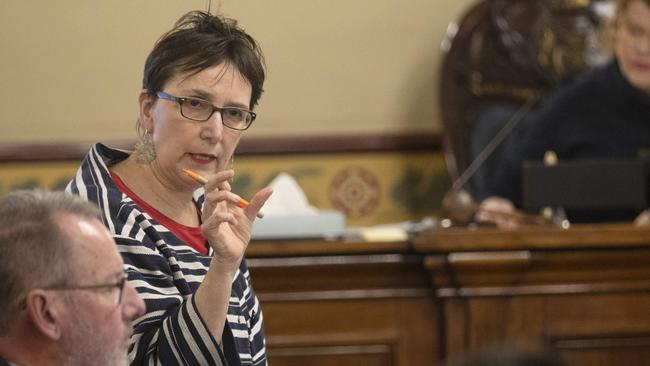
{"points": [[119, 285], [201, 110]]}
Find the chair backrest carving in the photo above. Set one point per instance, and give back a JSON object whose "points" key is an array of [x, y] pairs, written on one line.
{"points": [[508, 52]]}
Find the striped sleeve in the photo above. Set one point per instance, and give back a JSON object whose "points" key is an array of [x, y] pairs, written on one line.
{"points": [[172, 331]]}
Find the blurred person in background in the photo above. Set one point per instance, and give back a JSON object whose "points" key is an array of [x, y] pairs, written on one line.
{"points": [[604, 113]]}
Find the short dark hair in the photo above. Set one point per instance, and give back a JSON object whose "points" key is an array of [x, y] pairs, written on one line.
{"points": [[200, 40], [33, 247]]}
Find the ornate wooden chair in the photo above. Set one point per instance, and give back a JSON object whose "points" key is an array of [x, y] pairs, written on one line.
{"points": [[509, 52]]}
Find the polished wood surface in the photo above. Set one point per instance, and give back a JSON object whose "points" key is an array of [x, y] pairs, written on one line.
{"points": [[578, 236], [584, 291], [305, 247], [332, 303]]}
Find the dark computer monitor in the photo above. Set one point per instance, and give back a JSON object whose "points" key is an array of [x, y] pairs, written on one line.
{"points": [[607, 190]]}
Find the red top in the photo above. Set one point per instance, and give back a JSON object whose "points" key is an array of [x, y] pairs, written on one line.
{"points": [[191, 235]]}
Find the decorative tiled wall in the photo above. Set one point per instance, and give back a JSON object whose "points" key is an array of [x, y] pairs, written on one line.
{"points": [[371, 188]]}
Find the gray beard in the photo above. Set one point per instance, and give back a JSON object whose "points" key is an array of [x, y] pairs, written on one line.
{"points": [[86, 352], [82, 347]]}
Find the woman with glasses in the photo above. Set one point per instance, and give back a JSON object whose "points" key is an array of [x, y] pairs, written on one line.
{"points": [[183, 242], [604, 114]]}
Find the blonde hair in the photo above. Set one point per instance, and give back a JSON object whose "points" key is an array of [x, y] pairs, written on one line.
{"points": [[622, 5], [609, 29]]}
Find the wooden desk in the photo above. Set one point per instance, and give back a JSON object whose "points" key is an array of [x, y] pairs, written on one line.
{"points": [[584, 291], [335, 303]]}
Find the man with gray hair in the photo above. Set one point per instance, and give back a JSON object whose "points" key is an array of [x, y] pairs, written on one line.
{"points": [[64, 298]]}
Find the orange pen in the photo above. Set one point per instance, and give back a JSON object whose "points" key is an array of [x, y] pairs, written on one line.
{"points": [[197, 177]]}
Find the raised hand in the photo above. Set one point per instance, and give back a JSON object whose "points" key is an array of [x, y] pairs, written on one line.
{"points": [[226, 226]]}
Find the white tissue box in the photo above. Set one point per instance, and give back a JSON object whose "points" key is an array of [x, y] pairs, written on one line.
{"points": [[324, 224]]}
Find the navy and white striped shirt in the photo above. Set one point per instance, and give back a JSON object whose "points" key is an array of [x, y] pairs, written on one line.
{"points": [[166, 273]]}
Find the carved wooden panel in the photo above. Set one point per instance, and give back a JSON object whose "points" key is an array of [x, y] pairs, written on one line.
{"points": [[584, 292], [372, 309]]}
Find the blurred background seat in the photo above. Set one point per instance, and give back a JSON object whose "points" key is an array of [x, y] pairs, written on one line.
{"points": [[500, 55]]}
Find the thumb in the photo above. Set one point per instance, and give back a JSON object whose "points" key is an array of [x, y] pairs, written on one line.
{"points": [[257, 201]]}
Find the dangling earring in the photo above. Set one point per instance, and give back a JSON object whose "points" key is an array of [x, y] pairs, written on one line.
{"points": [[145, 149]]}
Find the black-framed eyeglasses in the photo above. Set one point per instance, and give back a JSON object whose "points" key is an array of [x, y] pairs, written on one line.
{"points": [[201, 110], [119, 285]]}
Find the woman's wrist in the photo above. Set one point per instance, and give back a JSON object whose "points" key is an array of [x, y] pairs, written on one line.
{"points": [[223, 268]]}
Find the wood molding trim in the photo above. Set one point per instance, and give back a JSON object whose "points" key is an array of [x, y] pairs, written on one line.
{"points": [[604, 341], [26, 152], [362, 294]]}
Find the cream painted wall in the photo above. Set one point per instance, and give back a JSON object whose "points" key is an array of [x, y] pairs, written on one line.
{"points": [[70, 70]]}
